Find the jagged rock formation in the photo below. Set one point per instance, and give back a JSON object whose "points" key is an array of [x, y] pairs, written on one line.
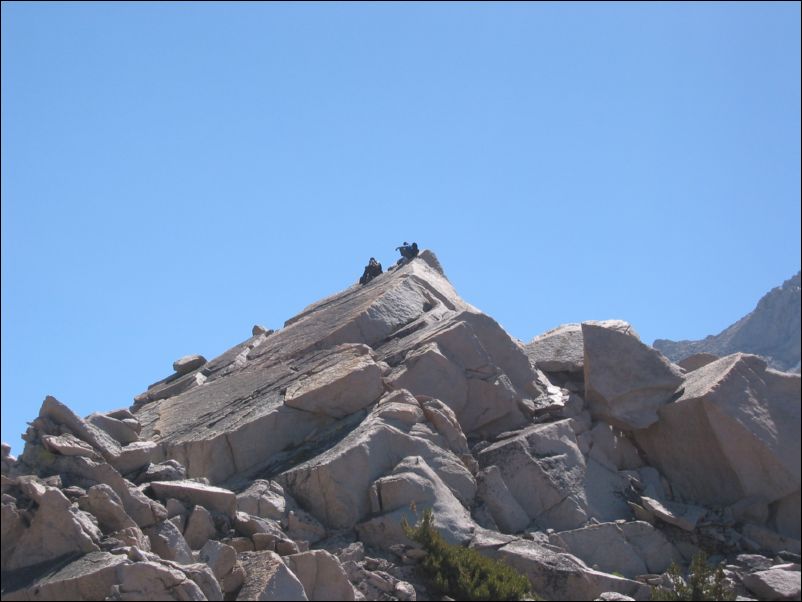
{"points": [[283, 468], [772, 330]]}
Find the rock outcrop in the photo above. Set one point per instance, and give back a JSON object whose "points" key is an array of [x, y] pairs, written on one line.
{"points": [[771, 330], [285, 467]]}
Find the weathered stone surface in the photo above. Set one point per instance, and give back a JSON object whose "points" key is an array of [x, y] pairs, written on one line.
{"points": [[101, 501], [696, 361], [235, 443], [168, 542], [188, 363], [771, 541], [263, 498], [169, 470], [259, 329], [545, 472], [734, 433], [786, 515], [322, 575], [122, 432], [248, 525], [302, 526], [334, 485], [268, 578], [562, 349], [90, 577], [445, 421], [192, 492], [200, 527], [558, 350], [150, 580], [56, 529], [503, 507], [626, 382], [426, 371], [220, 557], [559, 576], [55, 412], [12, 526], [144, 511], [613, 450], [136, 455], [346, 380], [69, 445], [203, 577], [631, 549], [175, 384], [684, 516], [216, 429], [411, 488], [774, 584]]}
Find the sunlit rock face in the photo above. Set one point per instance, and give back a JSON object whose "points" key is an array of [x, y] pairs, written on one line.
{"points": [[285, 467]]}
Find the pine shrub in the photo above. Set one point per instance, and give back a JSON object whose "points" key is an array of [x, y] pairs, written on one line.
{"points": [[704, 582], [462, 573]]}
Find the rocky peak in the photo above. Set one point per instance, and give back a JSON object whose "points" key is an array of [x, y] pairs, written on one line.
{"points": [[771, 330], [285, 467]]}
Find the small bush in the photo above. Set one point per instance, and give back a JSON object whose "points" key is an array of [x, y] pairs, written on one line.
{"points": [[704, 582], [463, 573]]}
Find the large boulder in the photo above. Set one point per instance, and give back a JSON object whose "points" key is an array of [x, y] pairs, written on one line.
{"points": [[404, 494], [558, 350], [57, 529], [562, 349], [775, 583], [545, 472], [734, 433], [102, 502], [188, 363], [626, 382], [263, 498], [268, 578], [168, 542], [89, 577], [504, 508], [629, 548], [560, 576], [322, 575], [192, 492], [334, 486], [149, 580]]}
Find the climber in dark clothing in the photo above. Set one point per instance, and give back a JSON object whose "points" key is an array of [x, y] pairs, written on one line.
{"points": [[407, 251], [373, 269]]}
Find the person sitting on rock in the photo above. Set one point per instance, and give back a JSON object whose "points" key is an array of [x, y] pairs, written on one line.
{"points": [[407, 251], [373, 269]]}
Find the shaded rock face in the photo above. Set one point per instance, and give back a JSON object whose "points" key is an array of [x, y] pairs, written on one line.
{"points": [[734, 433], [771, 330], [283, 468]]}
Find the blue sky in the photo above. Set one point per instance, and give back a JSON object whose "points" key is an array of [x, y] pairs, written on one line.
{"points": [[174, 173]]}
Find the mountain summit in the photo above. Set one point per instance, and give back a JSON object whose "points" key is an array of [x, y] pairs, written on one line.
{"points": [[286, 467], [771, 330]]}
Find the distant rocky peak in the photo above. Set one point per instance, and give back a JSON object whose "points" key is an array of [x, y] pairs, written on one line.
{"points": [[771, 330]]}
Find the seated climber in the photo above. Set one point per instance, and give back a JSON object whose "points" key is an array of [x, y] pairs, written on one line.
{"points": [[407, 251], [373, 269]]}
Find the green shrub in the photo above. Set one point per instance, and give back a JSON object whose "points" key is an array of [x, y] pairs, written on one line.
{"points": [[463, 573], [704, 582]]}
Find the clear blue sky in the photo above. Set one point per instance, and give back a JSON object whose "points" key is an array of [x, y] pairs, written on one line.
{"points": [[174, 173]]}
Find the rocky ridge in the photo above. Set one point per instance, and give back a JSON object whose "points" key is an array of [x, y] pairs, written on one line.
{"points": [[771, 330], [282, 469]]}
